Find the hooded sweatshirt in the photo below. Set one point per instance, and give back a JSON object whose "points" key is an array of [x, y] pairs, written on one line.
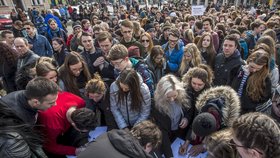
{"points": [[115, 143]]}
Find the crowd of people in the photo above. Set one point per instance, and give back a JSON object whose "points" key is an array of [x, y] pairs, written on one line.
{"points": [[149, 74]]}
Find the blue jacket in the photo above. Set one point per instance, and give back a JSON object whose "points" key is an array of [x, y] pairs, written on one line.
{"points": [[41, 45], [174, 58], [48, 16], [244, 46], [122, 112]]}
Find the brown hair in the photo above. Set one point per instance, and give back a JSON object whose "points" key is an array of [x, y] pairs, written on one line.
{"points": [[130, 78], [258, 131], [102, 36], [151, 44], [127, 23], [67, 76], [43, 68], [96, 85], [147, 132], [210, 50], [118, 51], [256, 81]]}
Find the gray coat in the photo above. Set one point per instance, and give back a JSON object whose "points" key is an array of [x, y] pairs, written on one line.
{"points": [[123, 114]]}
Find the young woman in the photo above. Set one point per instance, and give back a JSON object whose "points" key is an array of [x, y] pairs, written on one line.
{"points": [[156, 63], [55, 31], [47, 70], [8, 67], [130, 99], [191, 58], [86, 26], [99, 101], [170, 112], [147, 41], [256, 135], [207, 49], [74, 74], [219, 145], [196, 80], [252, 82], [60, 50]]}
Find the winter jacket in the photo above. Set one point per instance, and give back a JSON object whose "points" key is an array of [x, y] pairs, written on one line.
{"points": [[18, 102], [13, 145], [174, 58], [247, 104], [60, 56], [223, 67], [8, 73], [245, 49], [115, 144], [27, 59], [231, 108], [123, 114], [158, 72], [140, 67], [60, 33]]}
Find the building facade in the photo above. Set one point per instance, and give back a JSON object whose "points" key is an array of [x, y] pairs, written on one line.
{"points": [[6, 6]]}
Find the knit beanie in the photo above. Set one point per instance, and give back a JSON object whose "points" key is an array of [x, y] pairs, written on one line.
{"points": [[204, 124], [76, 24]]}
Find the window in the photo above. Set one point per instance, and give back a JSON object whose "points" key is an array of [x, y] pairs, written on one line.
{"points": [[37, 2], [2, 2]]}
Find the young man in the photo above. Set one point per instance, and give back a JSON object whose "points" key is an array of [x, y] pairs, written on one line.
{"points": [[173, 51], [40, 94], [138, 142], [39, 44], [128, 40], [66, 125], [254, 35], [226, 61], [118, 56], [8, 37]]}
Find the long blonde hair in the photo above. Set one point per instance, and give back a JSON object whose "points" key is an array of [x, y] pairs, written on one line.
{"points": [[166, 84], [195, 61]]}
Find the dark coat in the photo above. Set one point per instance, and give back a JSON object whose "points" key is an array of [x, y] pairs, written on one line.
{"points": [[223, 67], [12, 145], [8, 74], [115, 143], [247, 104], [18, 102]]}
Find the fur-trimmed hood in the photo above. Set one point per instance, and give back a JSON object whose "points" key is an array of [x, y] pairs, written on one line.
{"points": [[230, 111]]}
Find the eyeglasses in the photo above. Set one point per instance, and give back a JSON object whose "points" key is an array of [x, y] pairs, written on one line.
{"points": [[232, 143], [145, 40], [116, 63], [173, 41]]}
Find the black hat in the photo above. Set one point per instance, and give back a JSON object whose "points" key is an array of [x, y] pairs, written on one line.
{"points": [[204, 124], [217, 103], [76, 24]]}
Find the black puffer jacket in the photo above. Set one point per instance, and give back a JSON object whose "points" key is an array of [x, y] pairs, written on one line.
{"points": [[116, 143], [223, 67]]}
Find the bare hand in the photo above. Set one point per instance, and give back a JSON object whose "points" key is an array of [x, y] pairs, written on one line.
{"points": [[196, 150], [98, 61], [183, 148], [183, 123]]}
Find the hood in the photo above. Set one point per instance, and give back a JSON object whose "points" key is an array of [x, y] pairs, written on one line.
{"points": [[231, 109], [125, 143]]}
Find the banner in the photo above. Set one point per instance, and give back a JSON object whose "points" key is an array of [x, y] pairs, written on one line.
{"points": [[198, 10]]}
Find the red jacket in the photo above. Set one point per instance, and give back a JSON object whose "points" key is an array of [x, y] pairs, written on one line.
{"points": [[55, 122]]}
